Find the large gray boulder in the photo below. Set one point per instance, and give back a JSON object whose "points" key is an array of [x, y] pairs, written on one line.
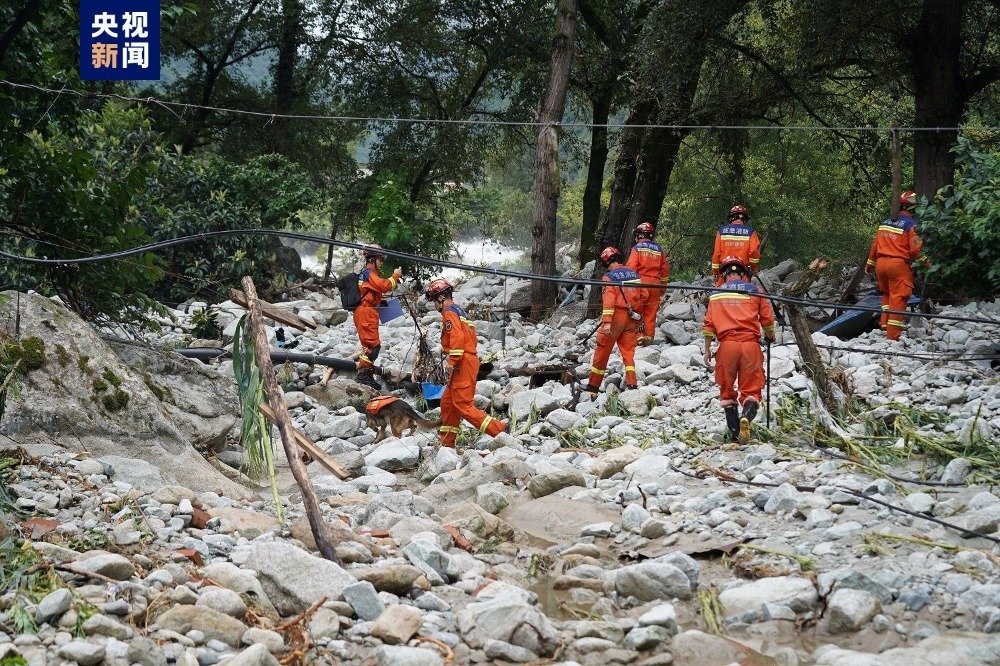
{"points": [[201, 401], [86, 394]]}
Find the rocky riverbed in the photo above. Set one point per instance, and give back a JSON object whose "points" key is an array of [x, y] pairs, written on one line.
{"points": [[609, 531]]}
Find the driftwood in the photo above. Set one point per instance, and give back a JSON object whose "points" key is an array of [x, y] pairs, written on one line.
{"points": [[313, 449], [271, 312], [283, 422], [824, 398]]}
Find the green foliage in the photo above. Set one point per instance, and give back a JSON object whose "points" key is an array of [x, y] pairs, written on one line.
{"points": [[69, 190], [194, 195], [205, 325], [13, 660], [394, 222], [255, 434], [111, 377], [115, 401], [961, 226]]}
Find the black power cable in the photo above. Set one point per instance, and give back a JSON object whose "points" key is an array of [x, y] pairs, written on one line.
{"points": [[465, 267]]}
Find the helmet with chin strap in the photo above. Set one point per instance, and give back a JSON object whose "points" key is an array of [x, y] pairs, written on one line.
{"points": [[645, 230], [908, 200], [373, 252], [732, 265], [438, 287], [610, 254], [739, 211]]}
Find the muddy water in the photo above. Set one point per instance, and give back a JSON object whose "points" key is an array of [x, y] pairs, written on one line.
{"points": [[555, 520]]}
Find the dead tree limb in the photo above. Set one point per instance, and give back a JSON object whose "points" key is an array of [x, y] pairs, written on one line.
{"points": [[827, 403], [262, 348]]}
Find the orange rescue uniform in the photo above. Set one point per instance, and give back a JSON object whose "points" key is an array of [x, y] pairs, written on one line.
{"points": [[650, 262], [896, 246], [735, 239], [616, 301], [372, 286], [458, 342], [735, 316]]}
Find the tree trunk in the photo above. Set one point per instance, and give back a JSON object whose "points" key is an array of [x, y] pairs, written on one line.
{"points": [[595, 177], [811, 360], [284, 76], [546, 181], [938, 93], [658, 157], [284, 421]]}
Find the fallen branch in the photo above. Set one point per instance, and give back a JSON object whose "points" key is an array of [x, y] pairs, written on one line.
{"points": [[283, 420], [449, 656], [301, 616]]}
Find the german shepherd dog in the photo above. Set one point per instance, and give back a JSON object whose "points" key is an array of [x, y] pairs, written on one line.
{"points": [[387, 411]]}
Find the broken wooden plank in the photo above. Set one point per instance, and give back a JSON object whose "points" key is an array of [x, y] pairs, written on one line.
{"points": [[310, 447], [272, 312]]}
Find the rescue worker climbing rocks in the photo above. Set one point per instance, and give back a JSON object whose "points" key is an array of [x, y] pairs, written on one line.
{"points": [[372, 286], [650, 261], [621, 321], [736, 239], [458, 342], [735, 316], [896, 246]]}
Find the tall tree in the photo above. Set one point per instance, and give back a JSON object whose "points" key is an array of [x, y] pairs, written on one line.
{"points": [[677, 38], [546, 182]]}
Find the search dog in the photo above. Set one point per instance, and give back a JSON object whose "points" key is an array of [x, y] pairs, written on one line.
{"points": [[389, 412]]}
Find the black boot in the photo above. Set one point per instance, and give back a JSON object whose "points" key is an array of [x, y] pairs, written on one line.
{"points": [[733, 423], [749, 411]]}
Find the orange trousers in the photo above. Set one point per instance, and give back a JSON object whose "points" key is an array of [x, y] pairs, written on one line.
{"points": [[366, 322], [457, 403], [648, 312], [895, 281], [739, 371], [623, 333]]}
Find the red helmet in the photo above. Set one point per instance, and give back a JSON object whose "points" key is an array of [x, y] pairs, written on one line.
{"points": [[740, 211], [609, 254], [645, 229], [438, 287], [908, 199], [732, 263], [373, 251]]}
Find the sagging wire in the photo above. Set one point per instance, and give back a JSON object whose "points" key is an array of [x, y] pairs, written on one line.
{"points": [[271, 116], [677, 286]]}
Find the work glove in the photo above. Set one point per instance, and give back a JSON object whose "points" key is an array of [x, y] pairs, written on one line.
{"points": [[398, 273]]}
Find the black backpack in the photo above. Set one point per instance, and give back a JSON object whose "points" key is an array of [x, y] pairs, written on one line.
{"points": [[350, 292]]}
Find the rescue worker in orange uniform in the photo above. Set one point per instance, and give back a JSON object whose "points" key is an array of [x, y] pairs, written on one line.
{"points": [[620, 320], [736, 239], [458, 342], [372, 286], [650, 261], [896, 246], [735, 316]]}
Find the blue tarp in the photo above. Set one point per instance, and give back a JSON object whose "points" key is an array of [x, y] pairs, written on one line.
{"points": [[389, 310], [432, 391]]}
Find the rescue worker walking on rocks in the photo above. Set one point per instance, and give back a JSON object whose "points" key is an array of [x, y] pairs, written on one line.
{"points": [[372, 286], [736, 239], [896, 246], [621, 322], [735, 316], [650, 262], [458, 342]]}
